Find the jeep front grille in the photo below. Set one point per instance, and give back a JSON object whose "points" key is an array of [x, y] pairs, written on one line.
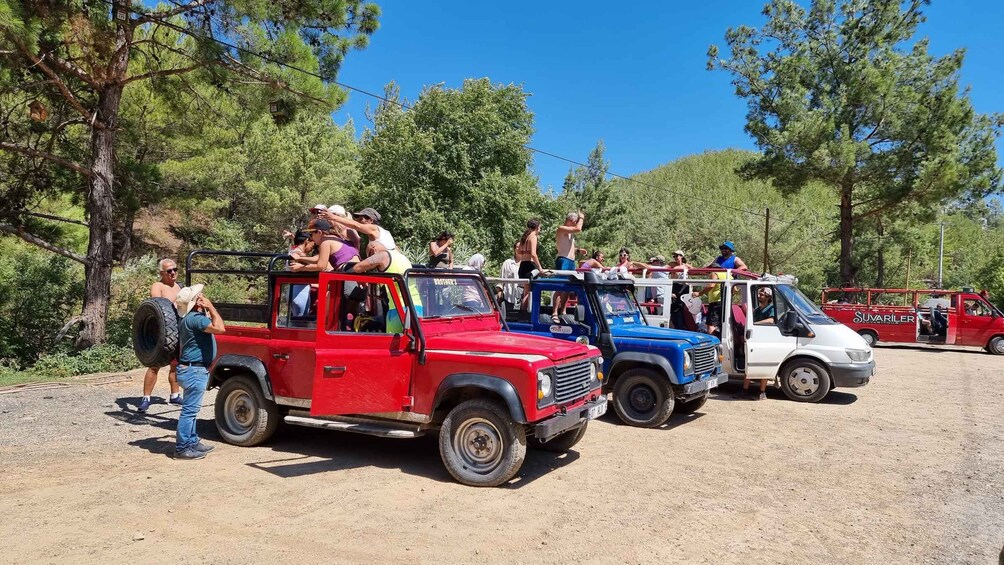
{"points": [[571, 381], [705, 359]]}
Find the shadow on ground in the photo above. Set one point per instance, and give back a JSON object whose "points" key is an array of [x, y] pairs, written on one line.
{"points": [[297, 451], [732, 391], [307, 451]]}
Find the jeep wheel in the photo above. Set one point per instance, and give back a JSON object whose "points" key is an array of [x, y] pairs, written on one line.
{"points": [[804, 380], [243, 415], [561, 443], [642, 398], [155, 332], [691, 406], [996, 345], [480, 444]]}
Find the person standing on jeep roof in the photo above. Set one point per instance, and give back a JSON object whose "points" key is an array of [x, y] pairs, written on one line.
{"points": [[728, 258], [366, 222], [565, 261], [167, 287], [199, 322]]}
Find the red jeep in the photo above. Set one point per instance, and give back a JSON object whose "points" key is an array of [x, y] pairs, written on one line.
{"points": [[396, 356]]}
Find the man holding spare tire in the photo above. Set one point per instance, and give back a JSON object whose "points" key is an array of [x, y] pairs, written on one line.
{"points": [[199, 322], [167, 287]]}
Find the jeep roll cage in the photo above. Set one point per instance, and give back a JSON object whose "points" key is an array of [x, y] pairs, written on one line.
{"points": [[264, 265]]}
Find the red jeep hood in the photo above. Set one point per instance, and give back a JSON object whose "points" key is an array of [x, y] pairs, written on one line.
{"points": [[506, 343]]}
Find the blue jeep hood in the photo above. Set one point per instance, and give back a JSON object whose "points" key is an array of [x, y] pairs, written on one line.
{"points": [[639, 331]]}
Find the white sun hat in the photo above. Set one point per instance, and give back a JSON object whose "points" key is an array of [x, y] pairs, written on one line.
{"points": [[187, 298]]}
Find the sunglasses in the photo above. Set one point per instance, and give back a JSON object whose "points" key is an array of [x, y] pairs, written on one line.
{"points": [[170, 271]]}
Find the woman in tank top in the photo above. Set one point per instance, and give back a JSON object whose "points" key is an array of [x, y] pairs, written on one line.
{"points": [[441, 251], [332, 250], [526, 256]]}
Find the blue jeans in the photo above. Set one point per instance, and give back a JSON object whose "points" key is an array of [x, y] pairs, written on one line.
{"points": [[193, 381]]}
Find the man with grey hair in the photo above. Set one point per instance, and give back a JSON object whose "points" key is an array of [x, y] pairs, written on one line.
{"points": [[566, 257], [167, 287]]}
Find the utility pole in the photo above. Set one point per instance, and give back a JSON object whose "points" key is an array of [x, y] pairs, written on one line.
{"points": [[766, 235], [941, 255], [909, 255]]}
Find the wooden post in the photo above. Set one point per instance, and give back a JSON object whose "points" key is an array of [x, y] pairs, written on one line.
{"points": [[766, 235]]}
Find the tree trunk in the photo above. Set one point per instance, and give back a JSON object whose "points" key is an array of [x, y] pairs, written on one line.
{"points": [[847, 271], [100, 206], [100, 194], [124, 248]]}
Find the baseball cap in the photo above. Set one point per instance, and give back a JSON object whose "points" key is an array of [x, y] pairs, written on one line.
{"points": [[658, 258], [680, 253], [338, 210], [368, 213], [322, 225], [318, 207], [728, 244]]}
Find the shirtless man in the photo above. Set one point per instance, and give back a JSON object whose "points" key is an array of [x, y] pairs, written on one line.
{"points": [[565, 261], [167, 287]]}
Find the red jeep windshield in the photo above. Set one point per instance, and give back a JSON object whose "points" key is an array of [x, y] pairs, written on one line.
{"points": [[450, 295]]}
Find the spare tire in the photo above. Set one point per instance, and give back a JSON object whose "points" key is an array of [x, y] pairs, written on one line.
{"points": [[155, 332]]}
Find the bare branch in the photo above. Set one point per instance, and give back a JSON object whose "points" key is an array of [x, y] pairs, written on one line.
{"points": [[74, 70], [35, 240], [56, 218], [48, 156]]}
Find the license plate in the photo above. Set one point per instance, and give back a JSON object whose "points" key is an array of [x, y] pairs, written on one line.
{"points": [[596, 411], [713, 382]]}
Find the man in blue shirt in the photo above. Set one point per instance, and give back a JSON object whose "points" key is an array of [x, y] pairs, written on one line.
{"points": [[199, 322], [728, 258]]}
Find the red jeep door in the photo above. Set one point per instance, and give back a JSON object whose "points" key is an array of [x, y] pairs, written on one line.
{"points": [[360, 368], [976, 321], [291, 346]]}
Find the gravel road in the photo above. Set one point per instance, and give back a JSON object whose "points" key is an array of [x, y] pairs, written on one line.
{"points": [[909, 469]]}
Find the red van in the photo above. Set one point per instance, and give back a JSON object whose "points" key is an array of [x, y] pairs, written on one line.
{"points": [[937, 317]]}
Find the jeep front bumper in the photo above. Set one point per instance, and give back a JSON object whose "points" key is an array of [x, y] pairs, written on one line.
{"points": [[695, 389], [559, 423]]}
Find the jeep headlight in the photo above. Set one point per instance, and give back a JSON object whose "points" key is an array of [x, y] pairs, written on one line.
{"points": [[688, 361], [858, 355], [543, 385]]}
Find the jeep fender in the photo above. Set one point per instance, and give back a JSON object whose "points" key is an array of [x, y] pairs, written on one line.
{"points": [[637, 358], [231, 363], [496, 385]]}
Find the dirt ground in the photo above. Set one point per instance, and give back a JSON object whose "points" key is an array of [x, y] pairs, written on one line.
{"points": [[909, 469]]}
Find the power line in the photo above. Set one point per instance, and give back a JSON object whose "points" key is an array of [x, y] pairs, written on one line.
{"points": [[404, 106]]}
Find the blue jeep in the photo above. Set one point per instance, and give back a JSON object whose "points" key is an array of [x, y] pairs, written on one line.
{"points": [[651, 371]]}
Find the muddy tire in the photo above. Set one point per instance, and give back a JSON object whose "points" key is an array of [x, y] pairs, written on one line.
{"points": [[642, 398], [563, 442], [691, 406], [480, 444], [244, 416], [805, 380], [155, 332]]}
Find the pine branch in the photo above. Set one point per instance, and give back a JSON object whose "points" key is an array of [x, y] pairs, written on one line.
{"points": [[164, 14], [35, 240]]}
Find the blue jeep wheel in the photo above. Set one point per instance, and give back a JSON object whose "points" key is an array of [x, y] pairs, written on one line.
{"points": [[642, 398]]}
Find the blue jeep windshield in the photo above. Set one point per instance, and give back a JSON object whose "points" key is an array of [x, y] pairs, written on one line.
{"points": [[618, 305]]}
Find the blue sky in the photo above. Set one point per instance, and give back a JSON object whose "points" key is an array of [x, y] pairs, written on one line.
{"points": [[631, 73]]}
